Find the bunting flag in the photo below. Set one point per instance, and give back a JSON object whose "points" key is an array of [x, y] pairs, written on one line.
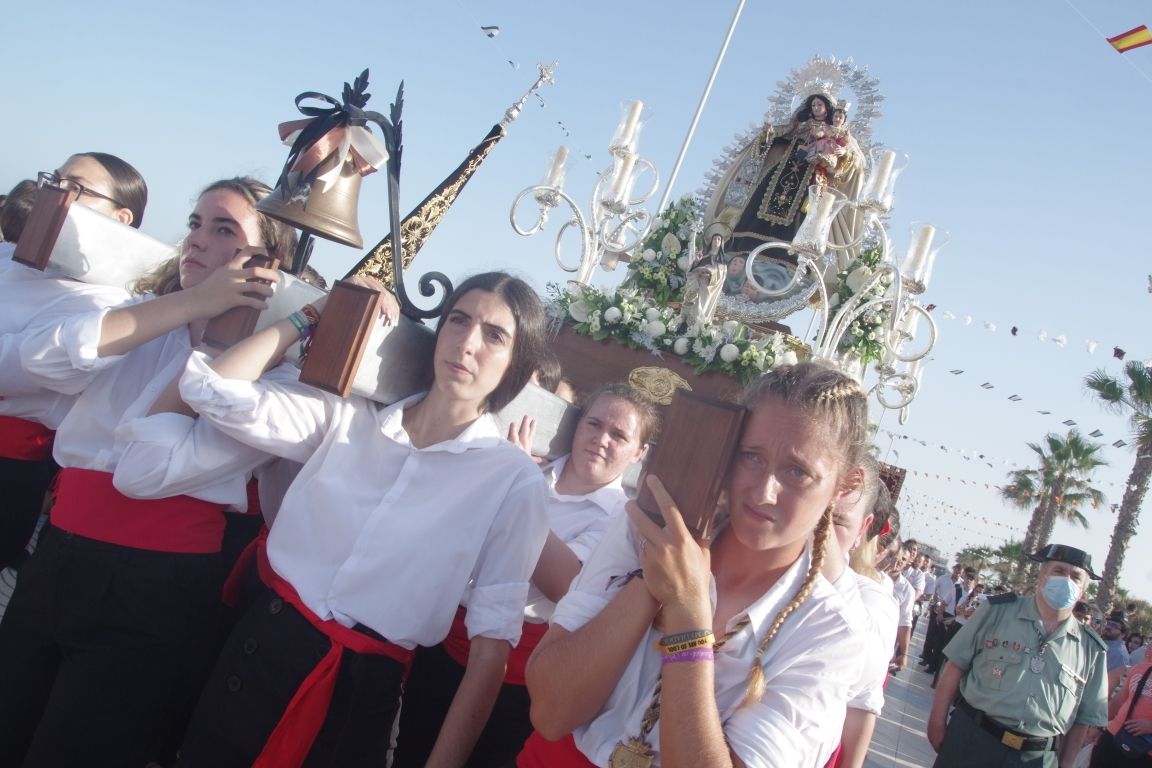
{"points": [[1133, 38], [977, 456], [1060, 340]]}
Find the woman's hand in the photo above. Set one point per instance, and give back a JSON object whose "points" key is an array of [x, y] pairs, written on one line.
{"points": [[677, 568], [234, 285], [522, 435], [1138, 727]]}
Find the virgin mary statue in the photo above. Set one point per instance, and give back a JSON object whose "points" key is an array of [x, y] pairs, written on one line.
{"points": [[763, 195]]}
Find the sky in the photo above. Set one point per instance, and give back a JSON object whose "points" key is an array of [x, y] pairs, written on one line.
{"points": [[1024, 127]]}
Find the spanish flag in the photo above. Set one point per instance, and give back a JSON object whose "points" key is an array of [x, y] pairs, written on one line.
{"points": [[1133, 38]]}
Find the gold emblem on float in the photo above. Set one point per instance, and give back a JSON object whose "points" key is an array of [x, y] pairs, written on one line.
{"points": [[658, 384], [636, 753]]}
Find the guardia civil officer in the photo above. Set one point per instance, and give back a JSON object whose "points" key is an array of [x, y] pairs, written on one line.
{"points": [[1024, 679]]}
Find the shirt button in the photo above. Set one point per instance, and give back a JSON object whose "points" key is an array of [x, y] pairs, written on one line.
{"points": [[275, 606], [233, 683], [250, 646]]}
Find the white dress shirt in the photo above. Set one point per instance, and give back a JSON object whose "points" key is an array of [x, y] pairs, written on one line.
{"points": [[905, 596], [879, 624], [915, 577], [808, 666], [580, 522], [377, 531], [122, 388], [31, 300], [929, 583]]}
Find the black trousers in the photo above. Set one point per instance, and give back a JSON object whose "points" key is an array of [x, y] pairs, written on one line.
{"points": [[23, 485], [270, 652], [102, 651], [431, 686]]}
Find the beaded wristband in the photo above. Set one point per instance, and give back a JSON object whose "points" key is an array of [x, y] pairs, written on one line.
{"points": [[299, 322], [690, 645], [700, 654], [683, 637], [310, 312]]}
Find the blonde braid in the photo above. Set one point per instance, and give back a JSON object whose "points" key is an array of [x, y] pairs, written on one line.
{"points": [[755, 689]]}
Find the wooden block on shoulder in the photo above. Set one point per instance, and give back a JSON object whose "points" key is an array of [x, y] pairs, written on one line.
{"points": [[341, 337], [691, 457], [43, 226]]}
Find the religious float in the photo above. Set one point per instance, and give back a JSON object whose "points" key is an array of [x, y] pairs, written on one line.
{"points": [[791, 222]]}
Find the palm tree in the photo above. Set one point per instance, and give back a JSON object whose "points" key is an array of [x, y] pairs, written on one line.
{"points": [[1059, 487], [1134, 400]]}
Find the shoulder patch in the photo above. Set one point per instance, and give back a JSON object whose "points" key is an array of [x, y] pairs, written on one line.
{"points": [[1004, 599], [1092, 637]]}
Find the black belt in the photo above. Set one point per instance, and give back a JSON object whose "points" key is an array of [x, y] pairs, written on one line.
{"points": [[1006, 736]]}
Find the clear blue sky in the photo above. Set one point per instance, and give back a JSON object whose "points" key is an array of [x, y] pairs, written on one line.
{"points": [[1025, 129]]}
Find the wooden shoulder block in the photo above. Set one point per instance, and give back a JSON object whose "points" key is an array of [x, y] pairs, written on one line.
{"points": [[340, 339], [691, 458], [45, 221]]}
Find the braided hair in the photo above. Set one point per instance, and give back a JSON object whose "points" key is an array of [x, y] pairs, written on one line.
{"points": [[838, 404]]}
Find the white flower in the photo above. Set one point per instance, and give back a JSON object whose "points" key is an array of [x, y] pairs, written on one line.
{"points": [[648, 255], [658, 224], [683, 263], [655, 329], [833, 300], [681, 346], [579, 311], [729, 353], [858, 278], [670, 244], [730, 326], [651, 314], [612, 315], [708, 353], [787, 358]]}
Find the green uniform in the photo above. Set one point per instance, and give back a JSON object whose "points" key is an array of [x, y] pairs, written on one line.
{"points": [[1034, 685]]}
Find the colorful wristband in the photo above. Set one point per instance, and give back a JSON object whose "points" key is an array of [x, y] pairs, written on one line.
{"points": [[690, 645], [683, 637], [700, 654]]}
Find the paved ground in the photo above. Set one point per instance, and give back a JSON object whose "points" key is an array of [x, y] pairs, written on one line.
{"points": [[899, 740]]}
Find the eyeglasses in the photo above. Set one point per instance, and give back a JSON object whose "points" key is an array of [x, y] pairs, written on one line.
{"points": [[53, 179]]}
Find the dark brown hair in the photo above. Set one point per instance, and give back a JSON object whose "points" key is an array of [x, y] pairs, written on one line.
{"points": [[645, 409], [14, 212], [528, 345], [128, 186]]}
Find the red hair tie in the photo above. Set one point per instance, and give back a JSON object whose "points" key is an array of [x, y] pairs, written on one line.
{"points": [[886, 529]]}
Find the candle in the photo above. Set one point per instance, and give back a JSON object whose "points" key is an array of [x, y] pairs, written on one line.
{"points": [[910, 323], [824, 209], [627, 130], [620, 184], [556, 173], [883, 171], [918, 255]]}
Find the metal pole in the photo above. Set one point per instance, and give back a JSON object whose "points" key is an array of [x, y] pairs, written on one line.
{"points": [[700, 106]]}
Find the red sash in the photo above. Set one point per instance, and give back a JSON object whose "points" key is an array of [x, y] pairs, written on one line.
{"points": [[25, 440], [291, 740], [538, 752], [457, 645], [88, 505]]}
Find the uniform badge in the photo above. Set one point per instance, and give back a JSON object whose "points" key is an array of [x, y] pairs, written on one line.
{"points": [[1004, 643], [997, 672], [989, 643], [1016, 646]]}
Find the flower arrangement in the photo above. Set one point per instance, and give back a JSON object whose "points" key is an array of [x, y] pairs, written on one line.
{"points": [[660, 263], [642, 322], [863, 339]]}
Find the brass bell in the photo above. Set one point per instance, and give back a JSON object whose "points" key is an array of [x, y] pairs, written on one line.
{"points": [[331, 214]]}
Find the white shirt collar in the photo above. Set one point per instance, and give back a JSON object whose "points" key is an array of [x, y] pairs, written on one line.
{"points": [[481, 433], [606, 497]]}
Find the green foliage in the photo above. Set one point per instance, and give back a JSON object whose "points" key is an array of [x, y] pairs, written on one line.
{"points": [[864, 338], [659, 265], [640, 322]]}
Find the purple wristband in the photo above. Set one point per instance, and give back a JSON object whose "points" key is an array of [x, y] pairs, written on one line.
{"points": [[696, 654]]}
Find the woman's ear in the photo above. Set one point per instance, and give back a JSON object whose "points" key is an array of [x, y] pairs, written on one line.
{"points": [[124, 216], [852, 484]]}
